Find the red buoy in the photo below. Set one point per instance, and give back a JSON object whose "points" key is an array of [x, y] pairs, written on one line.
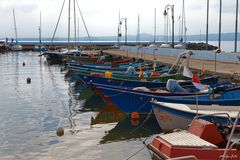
{"points": [[135, 115]]}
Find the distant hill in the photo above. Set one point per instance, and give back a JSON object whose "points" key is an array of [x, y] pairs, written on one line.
{"points": [[145, 37]]}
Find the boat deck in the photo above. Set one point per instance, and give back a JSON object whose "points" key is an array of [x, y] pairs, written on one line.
{"points": [[186, 139]]}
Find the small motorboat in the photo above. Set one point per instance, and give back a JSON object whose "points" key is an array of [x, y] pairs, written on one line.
{"points": [[174, 115], [203, 140]]}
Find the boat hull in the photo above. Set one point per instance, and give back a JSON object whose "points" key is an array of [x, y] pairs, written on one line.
{"points": [[139, 101]]}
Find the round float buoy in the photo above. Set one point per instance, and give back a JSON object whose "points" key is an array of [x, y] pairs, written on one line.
{"points": [[60, 131], [28, 80], [23, 63], [135, 115]]}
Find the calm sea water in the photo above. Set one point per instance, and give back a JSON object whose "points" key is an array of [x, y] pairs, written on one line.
{"points": [[31, 113]]}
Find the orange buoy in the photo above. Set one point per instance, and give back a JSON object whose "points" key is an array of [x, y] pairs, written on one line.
{"points": [[135, 115]]}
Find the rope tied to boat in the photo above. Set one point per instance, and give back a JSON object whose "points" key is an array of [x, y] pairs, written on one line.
{"points": [[143, 141], [143, 104], [117, 94]]}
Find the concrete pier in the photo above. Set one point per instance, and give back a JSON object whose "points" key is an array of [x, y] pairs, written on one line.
{"points": [[226, 70]]}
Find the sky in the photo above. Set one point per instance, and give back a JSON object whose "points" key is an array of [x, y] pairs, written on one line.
{"points": [[101, 16]]}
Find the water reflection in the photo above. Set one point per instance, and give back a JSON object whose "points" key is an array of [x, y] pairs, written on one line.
{"points": [[127, 129], [108, 114]]}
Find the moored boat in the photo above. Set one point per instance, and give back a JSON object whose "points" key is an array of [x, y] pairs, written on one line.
{"points": [[132, 100], [171, 115], [203, 140]]}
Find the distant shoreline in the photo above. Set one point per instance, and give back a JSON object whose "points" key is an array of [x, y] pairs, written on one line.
{"points": [[143, 37]]}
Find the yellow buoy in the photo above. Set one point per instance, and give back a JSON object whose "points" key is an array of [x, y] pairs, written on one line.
{"points": [[108, 74]]}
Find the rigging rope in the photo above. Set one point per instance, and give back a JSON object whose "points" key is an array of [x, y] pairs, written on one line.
{"points": [[85, 25], [55, 30]]}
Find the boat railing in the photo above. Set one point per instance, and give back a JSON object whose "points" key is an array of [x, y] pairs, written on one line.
{"points": [[214, 114], [228, 146], [184, 158]]}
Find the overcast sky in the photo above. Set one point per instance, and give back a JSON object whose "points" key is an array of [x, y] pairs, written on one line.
{"points": [[101, 16]]}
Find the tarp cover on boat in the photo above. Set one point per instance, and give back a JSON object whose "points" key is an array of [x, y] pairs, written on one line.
{"points": [[174, 87]]}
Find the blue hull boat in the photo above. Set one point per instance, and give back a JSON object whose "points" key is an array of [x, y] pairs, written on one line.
{"points": [[137, 83], [129, 100]]}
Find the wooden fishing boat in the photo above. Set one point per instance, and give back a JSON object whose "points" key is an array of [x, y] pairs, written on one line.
{"points": [[91, 67], [203, 140], [172, 115], [62, 54], [138, 99], [138, 83]]}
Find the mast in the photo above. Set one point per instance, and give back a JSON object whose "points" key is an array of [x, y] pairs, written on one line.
{"points": [[69, 8], [154, 38], [236, 27], [119, 29], [40, 26], [78, 31], [15, 26], [75, 27], [220, 25], [172, 26], [184, 22], [207, 25], [138, 31]]}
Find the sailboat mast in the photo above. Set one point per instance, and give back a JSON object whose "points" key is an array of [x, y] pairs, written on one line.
{"points": [[69, 8], [75, 28], [138, 31], [207, 25], [15, 26], [119, 30], [236, 27], [184, 29], [220, 25], [184, 21], [154, 38], [40, 26], [78, 32]]}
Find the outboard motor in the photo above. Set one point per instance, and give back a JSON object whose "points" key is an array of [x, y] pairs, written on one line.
{"points": [[174, 87]]}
